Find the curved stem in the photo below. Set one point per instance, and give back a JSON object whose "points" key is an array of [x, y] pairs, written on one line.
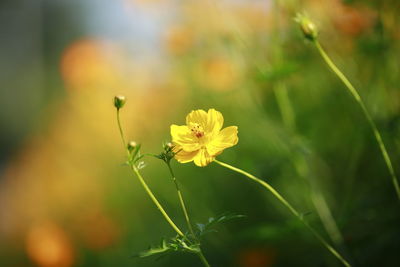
{"points": [[287, 205], [186, 214], [357, 97], [182, 202], [151, 195], [145, 186]]}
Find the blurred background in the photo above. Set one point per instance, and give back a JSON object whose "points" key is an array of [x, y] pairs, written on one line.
{"points": [[67, 200]]}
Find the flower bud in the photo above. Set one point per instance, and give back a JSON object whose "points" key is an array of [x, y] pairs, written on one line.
{"points": [[168, 146], [308, 27], [119, 101], [131, 146]]}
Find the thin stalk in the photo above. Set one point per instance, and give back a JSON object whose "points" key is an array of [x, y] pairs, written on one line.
{"points": [[164, 213], [203, 259], [121, 132], [357, 97], [186, 214], [144, 184], [182, 202], [317, 197], [287, 205], [286, 110]]}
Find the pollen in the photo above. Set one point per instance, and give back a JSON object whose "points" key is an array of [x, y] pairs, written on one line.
{"points": [[197, 130]]}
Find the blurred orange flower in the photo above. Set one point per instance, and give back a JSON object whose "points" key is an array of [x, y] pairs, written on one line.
{"points": [[97, 229], [49, 246], [256, 257], [353, 20], [91, 64]]}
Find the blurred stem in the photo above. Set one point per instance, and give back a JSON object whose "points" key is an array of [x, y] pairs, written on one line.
{"points": [[320, 203], [357, 97], [325, 214], [282, 98], [143, 182], [289, 120], [317, 197], [287, 205]]}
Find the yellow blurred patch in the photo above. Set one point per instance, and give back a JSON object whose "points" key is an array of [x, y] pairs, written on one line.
{"points": [[179, 39], [219, 73]]}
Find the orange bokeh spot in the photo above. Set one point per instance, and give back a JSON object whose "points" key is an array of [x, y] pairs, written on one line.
{"points": [[90, 64], [48, 246], [256, 257], [179, 40], [98, 230], [353, 21]]}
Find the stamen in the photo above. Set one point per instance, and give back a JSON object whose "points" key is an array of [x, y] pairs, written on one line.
{"points": [[197, 130]]}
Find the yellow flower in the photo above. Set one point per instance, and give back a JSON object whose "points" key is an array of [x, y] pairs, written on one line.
{"points": [[202, 139]]}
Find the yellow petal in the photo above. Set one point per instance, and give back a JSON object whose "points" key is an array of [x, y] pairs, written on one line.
{"points": [[225, 138], [215, 120], [182, 136], [210, 121], [183, 156], [197, 116], [203, 158]]}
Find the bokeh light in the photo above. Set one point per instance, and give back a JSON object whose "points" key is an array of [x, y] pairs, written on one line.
{"points": [[67, 197]]}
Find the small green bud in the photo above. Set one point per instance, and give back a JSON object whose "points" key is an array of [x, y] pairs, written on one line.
{"points": [[119, 101], [308, 27], [168, 146], [131, 146]]}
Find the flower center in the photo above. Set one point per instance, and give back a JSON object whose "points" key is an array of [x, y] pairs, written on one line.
{"points": [[197, 130]]}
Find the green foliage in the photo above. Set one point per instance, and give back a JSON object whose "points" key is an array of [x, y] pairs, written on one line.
{"points": [[135, 156], [182, 244], [209, 226], [175, 244], [167, 153]]}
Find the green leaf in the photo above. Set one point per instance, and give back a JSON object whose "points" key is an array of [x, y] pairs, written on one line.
{"points": [[213, 222], [175, 244], [154, 250]]}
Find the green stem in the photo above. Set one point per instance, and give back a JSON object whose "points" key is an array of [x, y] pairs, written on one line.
{"points": [[289, 206], [182, 202], [164, 213], [145, 186], [121, 132], [282, 98], [203, 259], [186, 214], [357, 97]]}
